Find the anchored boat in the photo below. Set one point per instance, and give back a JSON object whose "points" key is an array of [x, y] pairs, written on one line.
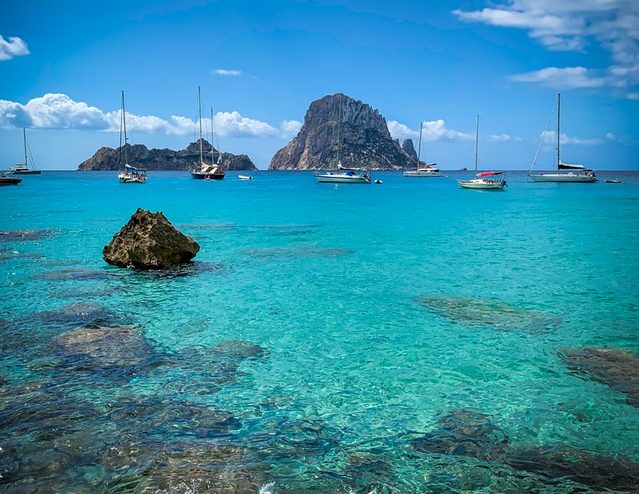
{"points": [[429, 170], [575, 173], [483, 180], [24, 168], [128, 174]]}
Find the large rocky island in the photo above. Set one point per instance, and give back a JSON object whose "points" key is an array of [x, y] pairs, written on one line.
{"points": [[164, 159], [363, 141]]}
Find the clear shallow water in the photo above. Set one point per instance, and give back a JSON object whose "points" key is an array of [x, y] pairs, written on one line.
{"points": [[378, 308]]}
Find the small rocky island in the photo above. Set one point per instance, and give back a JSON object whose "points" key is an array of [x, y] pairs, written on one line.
{"points": [[107, 158], [364, 139], [149, 241]]}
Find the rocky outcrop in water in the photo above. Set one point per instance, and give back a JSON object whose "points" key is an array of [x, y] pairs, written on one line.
{"points": [[338, 122], [149, 241], [616, 368], [107, 158]]}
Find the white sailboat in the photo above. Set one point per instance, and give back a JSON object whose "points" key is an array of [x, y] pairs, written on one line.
{"points": [[204, 171], [429, 170], [484, 180], [343, 175], [128, 174], [576, 173], [24, 168]]}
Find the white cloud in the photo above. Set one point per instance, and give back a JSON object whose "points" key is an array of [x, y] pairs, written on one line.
{"points": [[575, 25], [550, 136], [234, 124], [500, 137], [400, 131], [610, 136], [228, 72], [59, 111], [436, 130], [290, 128], [561, 78], [13, 47]]}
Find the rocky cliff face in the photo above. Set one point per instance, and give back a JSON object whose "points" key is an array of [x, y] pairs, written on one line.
{"points": [[164, 159], [364, 140]]}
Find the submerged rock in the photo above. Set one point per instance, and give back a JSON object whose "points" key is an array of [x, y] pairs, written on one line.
{"points": [[617, 368], [24, 235], [486, 312], [464, 433], [299, 251], [149, 241], [75, 274], [565, 463], [103, 348], [78, 314]]}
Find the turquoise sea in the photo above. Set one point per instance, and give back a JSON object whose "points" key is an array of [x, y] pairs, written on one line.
{"points": [[404, 337]]}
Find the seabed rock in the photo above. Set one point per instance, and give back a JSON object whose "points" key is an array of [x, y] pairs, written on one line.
{"points": [[617, 368], [149, 241], [473, 311], [24, 235], [470, 434]]}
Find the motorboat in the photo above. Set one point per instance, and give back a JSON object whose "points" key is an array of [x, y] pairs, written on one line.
{"points": [[344, 176], [245, 177], [132, 175]]}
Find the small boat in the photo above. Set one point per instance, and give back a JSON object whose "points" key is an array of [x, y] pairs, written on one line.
{"points": [[613, 181], [204, 171], [485, 181], [245, 177], [378, 181], [342, 175], [576, 173], [132, 175], [24, 168], [429, 170], [128, 174], [5, 180]]}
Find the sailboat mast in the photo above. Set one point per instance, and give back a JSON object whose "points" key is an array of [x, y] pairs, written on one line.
{"points": [[477, 142], [558, 130], [24, 139], [419, 145], [339, 128], [199, 105], [212, 140], [126, 160]]}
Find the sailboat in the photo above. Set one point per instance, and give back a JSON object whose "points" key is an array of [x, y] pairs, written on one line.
{"points": [[576, 173], [484, 180], [23, 168], [128, 174], [430, 170], [204, 171], [343, 175]]}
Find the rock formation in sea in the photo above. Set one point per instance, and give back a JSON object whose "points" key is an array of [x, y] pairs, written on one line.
{"points": [[149, 241], [409, 148], [107, 158], [340, 123]]}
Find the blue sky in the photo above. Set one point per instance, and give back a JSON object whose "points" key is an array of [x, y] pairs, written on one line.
{"points": [[260, 64]]}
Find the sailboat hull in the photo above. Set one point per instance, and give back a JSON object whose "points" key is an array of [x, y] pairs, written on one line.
{"points": [[10, 181], [563, 177], [207, 176], [342, 178], [26, 172], [423, 174]]}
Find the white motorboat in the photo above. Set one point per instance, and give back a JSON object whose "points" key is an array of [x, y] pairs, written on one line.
{"points": [[132, 175], [245, 177], [575, 173]]}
